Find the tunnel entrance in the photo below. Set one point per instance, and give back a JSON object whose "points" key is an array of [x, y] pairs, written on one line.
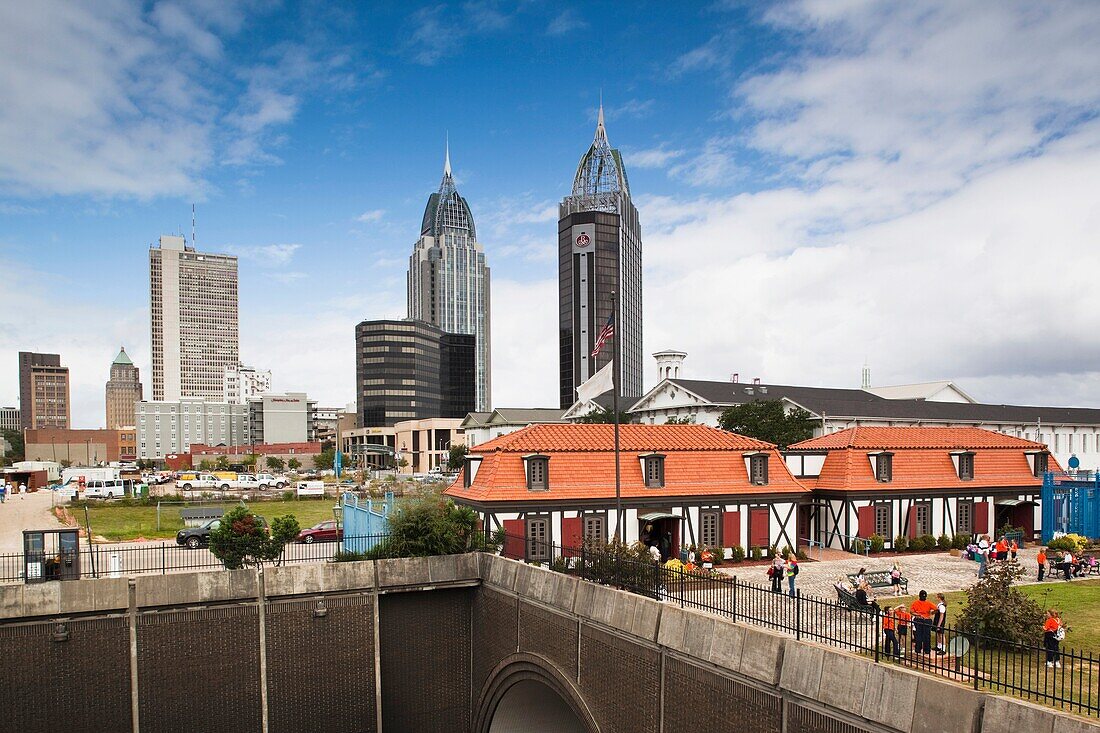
{"points": [[528, 693], [529, 705]]}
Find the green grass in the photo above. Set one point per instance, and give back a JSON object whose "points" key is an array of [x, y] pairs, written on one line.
{"points": [[1078, 601], [132, 522]]}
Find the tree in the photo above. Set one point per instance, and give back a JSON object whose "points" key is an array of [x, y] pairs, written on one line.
{"points": [[996, 608], [685, 420], [242, 539], [430, 526], [293, 464], [68, 464], [597, 417], [768, 420], [457, 457], [250, 461], [221, 463], [206, 465], [324, 460], [275, 463], [18, 448]]}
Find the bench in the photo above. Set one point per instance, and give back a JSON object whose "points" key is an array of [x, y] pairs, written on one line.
{"points": [[848, 601], [880, 579]]}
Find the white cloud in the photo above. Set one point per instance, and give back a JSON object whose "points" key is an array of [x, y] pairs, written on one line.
{"points": [[565, 22], [658, 157], [374, 215], [267, 255], [440, 31]]}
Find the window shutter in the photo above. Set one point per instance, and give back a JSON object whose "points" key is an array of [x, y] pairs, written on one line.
{"points": [[913, 521], [981, 517], [731, 529], [515, 539], [866, 521], [759, 534], [571, 536]]}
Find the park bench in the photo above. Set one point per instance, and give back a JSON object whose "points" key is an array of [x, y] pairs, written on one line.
{"points": [[880, 579], [848, 601]]}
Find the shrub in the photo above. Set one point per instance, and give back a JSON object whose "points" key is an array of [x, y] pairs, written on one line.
{"points": [[927, 542], [801, 555], [348, 556], [787, 551], [878, 542], [756, 553], [901, 543], [944, 542], [242, 540], [288, 496], [960, 541], [737, 553], [430, 526], [1075, 543], [996, 608], [772, 550]]}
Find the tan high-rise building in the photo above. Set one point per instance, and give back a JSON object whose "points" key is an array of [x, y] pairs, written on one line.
{"points": [[43, 391], [123, 390], [194, 326]]}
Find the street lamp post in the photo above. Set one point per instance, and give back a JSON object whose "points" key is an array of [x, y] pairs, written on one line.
{"points": [[337, 514]]}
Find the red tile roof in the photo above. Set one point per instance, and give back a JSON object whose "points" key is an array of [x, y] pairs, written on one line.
{"points": [[884, 438], [699, 461], [922, 459]]}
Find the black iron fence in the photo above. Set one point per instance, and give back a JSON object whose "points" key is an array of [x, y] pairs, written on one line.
{"points": [[1057, 676], [101, 561]]}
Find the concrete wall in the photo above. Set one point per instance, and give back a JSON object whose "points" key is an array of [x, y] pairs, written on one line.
{"points": [[200, 651]]}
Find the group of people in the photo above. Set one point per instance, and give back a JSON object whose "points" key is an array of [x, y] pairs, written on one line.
{"points": [[986, 551], [1068, 564], [780, 569], [7, 488]]}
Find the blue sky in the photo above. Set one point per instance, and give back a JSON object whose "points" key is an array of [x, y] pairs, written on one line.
{"points": [[819, 183]]}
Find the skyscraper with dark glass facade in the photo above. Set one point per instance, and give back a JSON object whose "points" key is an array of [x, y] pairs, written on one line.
{"points": [[411, 370], [599, 254]]}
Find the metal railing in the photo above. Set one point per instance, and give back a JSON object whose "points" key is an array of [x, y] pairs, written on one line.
{"points": [[101, 561], [1071, 681]]}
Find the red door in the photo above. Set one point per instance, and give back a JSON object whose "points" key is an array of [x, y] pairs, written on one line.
{"points": [[515, 539], [759, 532], [571, 537], [731, 529], [866, 521], [981, 517]]}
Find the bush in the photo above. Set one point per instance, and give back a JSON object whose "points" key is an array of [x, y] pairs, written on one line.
{"points": [[242, 540], [787, 551], [430, 526], [878, 542], [289, 495], [772, 550], [349, 556], [901, 543], [944, 542], [960, 541], [801, 555], [924, 543], [1075, 543], [996, 608], [756, 553], [737, 553]]}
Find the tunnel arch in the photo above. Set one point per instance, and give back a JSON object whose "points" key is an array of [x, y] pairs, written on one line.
{"points": [[526, 692]]}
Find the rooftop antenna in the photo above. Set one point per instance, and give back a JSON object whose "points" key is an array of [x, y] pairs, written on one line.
{"points": [[447, 153], [192, 226], [866, 375]]}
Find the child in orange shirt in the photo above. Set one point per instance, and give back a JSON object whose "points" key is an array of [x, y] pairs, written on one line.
{"points": [[903, 618], [1042, 560], [1053, 632]]}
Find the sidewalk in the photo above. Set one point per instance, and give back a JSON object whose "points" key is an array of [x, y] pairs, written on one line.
{"points": [[31, 511]]}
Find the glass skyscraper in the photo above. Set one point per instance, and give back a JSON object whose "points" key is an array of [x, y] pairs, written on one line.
{"points": [[599, 253], [448, 284]]}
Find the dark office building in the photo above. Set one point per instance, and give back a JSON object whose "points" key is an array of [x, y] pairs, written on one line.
{"points": [[599, 253], [411, 370], [43, 391]]}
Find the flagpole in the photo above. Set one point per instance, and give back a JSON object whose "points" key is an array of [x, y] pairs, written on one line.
{"points": [[615, 409]]}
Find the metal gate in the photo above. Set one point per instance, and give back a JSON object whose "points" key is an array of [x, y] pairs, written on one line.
{"points": [[1071, 504]]}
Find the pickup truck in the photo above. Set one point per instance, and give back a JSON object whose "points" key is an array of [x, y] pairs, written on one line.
{"points": [[261, 481], [204, 481]]}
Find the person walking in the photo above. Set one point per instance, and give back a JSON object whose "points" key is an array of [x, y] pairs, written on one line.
{"points": [[775, 572], [22, 491], [895, 579], [1041, 558], [939, 621], [1013, 548], [1053, 633], [922, 611], [792, 573], [983, 559], [3, 491], [903, 617], [889, 621]]}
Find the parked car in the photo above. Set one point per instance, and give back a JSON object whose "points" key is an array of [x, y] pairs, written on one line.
{"points": [[325, 531], [195, 537]]}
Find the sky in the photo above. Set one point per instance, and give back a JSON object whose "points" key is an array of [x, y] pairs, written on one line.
{"points": [[820, 183]]}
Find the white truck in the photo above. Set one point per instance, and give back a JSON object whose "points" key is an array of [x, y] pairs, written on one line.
{"points": [[261, 481], [205, 482]]}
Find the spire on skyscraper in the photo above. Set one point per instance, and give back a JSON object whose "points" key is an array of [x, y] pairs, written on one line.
{"points": [[447, 155], [601, 170]]}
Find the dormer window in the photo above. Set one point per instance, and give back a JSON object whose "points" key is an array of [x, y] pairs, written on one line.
{"points": [[884, 467], [758, 469], [472, 464], [1041, 464], [538, 472], [653, 469], [966, 466]]}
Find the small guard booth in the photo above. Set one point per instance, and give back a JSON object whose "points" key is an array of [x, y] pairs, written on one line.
{"points": [[51, 554]]}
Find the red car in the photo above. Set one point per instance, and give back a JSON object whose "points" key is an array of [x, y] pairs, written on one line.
{"points": [[326, 531]]}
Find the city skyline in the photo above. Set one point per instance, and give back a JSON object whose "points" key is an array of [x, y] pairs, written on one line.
{"points": [[799, 221]]}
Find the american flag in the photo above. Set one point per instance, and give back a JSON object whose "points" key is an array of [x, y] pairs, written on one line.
{"points": [[607, 332]]}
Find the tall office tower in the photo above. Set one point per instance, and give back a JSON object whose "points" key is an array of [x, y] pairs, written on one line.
{"points": [[599, 253], [193, 304], [411, 370], [43, 391], [123, 390], [448, 279]]}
